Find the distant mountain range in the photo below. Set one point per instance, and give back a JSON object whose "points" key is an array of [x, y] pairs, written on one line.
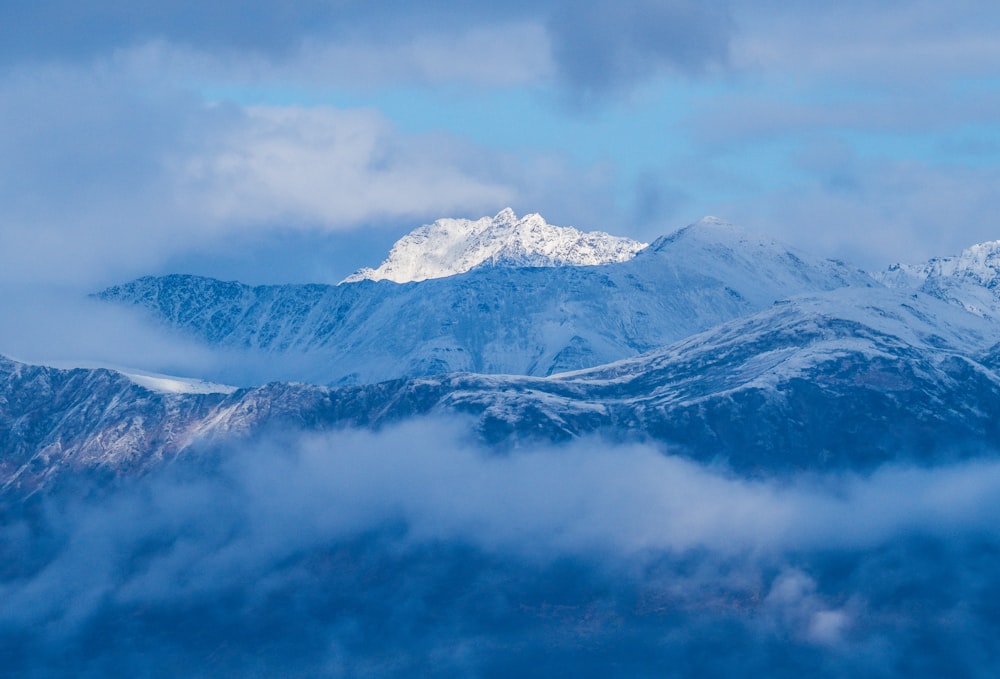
{"points": [[496, 319], [720, 344], [846, 379]]}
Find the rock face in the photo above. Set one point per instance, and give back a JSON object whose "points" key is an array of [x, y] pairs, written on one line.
{"points": [[452, 246], [494, 320]]}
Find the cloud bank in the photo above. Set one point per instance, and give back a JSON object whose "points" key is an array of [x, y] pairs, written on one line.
{"points": [[331, 550]]}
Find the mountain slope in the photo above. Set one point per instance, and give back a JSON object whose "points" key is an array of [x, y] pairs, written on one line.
{"points": [[57, 421], [452, 246], [847, 379], [529, 321]]}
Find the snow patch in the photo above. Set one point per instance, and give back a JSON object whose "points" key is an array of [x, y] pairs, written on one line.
{"points": [[178, 385]]}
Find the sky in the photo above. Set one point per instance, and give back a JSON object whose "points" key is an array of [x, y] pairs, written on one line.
{"points": [[295, 141]]}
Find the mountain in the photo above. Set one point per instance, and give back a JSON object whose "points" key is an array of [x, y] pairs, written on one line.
{"points": [[845, 379], [493, 320], [55, 422], [452, 246], [970, 280], [146, 516]]}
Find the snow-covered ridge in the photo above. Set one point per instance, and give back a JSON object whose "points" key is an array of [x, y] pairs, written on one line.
{"points": [[980, 262], [494, 319], [452, 246], [970, 280]]}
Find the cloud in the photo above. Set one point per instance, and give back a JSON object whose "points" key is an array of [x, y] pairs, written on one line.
{"points": [[477, 57], [58, 326], [593, 50], [331, 167], [604, 48], [345, 549], [588, 499], [55, 28], [106, 175], [892, 43]]}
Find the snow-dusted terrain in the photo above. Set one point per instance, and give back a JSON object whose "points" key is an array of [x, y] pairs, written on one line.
{"points": [[498, 320], [717, 342], [452, 246], [848, 378], [971, 279], [720, 433]]}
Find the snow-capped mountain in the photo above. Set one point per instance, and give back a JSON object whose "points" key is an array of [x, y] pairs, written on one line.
{"points": [[971, 279], [719, 343], [497, 320], [849, 378], [452, 246]]}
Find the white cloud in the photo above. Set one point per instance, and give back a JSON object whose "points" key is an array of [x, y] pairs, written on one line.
{"points": [[329, 167]]}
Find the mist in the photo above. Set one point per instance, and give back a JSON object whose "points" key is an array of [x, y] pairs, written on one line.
{"points": [[63, 327], [417, 550]]}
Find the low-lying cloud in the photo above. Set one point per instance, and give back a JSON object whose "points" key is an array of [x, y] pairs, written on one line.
{"points": [[547, 538]]}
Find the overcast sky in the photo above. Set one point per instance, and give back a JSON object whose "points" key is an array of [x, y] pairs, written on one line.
{"points": [[295, 141]]}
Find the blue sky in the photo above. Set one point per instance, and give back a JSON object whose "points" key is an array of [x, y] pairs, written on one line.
{"points": [[296, 140]]}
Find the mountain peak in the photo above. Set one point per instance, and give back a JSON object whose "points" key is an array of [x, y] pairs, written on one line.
{"points": [[505, 216], [452, 246], [713, 230], [710, 221]]}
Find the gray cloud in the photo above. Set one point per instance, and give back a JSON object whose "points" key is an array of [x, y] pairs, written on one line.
{"points": [[896, 43], [588, 499], [605, 47], [593, 49], [54, 28], [59, 326]]}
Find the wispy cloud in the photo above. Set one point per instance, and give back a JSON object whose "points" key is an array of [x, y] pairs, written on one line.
{"points": [[332, 168]]}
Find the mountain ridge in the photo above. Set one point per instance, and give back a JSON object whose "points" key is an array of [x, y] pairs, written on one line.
{"points": [[509, 320], [453, 246], [806, 384], [970, 279]]}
